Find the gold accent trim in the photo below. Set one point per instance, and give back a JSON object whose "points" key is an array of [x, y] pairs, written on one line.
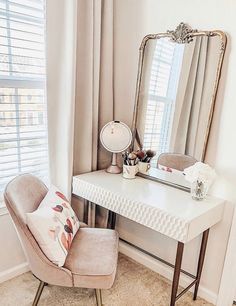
{"points": [[182, 34]]}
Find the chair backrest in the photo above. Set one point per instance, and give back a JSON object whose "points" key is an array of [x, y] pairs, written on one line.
{"points": [[22, 195], [176, 161]]}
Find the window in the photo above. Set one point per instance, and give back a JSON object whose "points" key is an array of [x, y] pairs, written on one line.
{"points": [[23, 113], [165, 71]]}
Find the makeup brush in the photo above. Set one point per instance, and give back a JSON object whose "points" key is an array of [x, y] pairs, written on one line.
{"points": [[149, 155], [125, 158], [132, 157], [140, 154]]}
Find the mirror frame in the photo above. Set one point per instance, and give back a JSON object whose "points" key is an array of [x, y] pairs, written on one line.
{"points": [[182, 34]]}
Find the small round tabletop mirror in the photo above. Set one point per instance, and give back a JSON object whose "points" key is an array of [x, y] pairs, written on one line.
{"points": [[115, 137]]}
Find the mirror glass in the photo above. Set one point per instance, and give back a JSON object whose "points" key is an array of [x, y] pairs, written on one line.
{"points": [[116, 136], [175, 102]]}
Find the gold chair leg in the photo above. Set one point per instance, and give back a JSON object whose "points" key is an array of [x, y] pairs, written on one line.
{"points": [[38, 293], [98, 294]]}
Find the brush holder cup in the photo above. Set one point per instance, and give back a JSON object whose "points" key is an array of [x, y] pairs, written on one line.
{"points": [[143, 167], [129, 172]]}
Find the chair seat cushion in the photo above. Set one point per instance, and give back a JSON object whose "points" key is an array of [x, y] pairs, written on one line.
{"points": [[92, 258]]}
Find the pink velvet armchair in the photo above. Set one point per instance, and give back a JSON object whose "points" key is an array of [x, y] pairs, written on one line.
{"points": [[92, 258]]}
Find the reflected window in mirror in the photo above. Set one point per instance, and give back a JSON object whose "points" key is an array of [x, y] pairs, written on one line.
{"points": [[164, 75]]}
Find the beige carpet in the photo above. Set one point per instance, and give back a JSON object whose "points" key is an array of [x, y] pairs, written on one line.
{"points": [[135, 285]]}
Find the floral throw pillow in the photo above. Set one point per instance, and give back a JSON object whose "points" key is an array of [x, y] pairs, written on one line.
{"points": [[54, 225], [56, 199]]}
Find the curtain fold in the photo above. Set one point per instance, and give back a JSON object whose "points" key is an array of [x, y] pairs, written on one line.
{"points": [[94, 83], [189, 98], [144, 88], [94, 95], [80, 92], [194, 98], [61, 31]]}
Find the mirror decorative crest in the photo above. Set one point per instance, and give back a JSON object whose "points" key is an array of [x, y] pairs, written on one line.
{"points": [[178, 77]]}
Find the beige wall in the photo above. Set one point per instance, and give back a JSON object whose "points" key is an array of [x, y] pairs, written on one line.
{"points": [[11, 253], [136, 18]]}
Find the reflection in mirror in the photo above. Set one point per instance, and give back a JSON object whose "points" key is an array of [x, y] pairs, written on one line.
{"points": [[176, 93]]}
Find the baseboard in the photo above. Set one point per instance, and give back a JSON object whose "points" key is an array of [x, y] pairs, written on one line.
{"points": [[13, 272], [163, 270]]}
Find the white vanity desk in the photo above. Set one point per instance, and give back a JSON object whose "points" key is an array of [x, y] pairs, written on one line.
{"points": [[165, 209]]}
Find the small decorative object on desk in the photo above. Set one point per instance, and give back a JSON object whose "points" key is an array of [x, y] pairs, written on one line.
{"points": [[130, 167], [144, 158], [200, 176], [139, 160], [115, 137]]}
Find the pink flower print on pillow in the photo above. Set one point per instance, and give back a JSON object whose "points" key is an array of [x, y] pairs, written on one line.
{"points": [[58, 208], [68, 226], [61, 195]]}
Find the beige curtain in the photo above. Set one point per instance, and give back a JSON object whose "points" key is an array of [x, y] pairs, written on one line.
{"points": [[144, 87], [80, 96], [61, 25], [193, 101], [94, 93]]}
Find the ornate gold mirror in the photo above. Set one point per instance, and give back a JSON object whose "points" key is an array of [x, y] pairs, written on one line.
{"points": [[178, 77]]}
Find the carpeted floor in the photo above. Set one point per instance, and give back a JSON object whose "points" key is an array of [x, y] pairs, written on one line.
{"points": [[135, 285]]}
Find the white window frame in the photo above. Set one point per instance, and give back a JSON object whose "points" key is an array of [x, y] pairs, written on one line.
{"points": [[168, 100], [25, 82]]}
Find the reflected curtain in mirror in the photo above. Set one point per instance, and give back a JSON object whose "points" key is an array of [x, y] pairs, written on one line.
{"points": [[193, 101]]}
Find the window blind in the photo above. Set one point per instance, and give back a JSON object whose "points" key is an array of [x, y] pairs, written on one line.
{"points": [[23, 112], [164, 76]]}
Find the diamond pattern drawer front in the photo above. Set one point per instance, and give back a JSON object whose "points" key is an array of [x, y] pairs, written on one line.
{"points": [[155, 219], [96, 194], [162, 208]]}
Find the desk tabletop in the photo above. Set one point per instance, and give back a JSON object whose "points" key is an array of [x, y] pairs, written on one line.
{"points": [[163, 208]]}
